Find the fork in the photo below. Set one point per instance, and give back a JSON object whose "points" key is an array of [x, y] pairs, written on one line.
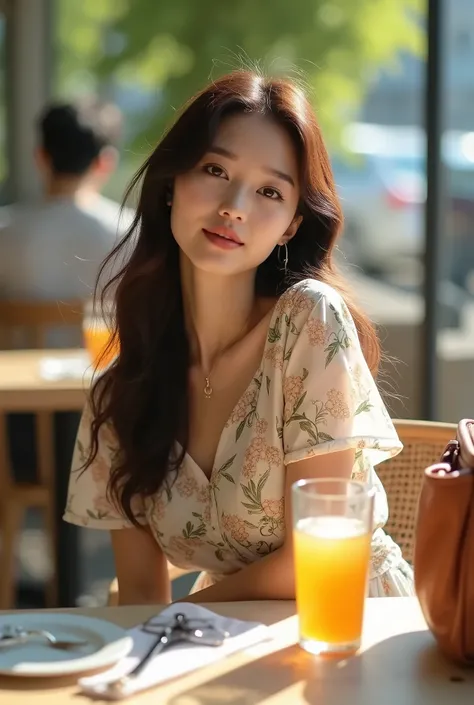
{"points": [[169, 635], [163, 640], [15, 636]]}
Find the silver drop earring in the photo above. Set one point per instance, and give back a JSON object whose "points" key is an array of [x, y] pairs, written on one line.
{"points": [[283, 261]]}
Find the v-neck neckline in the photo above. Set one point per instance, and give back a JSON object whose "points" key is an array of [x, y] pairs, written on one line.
{"points": [[258, 373], [226, 427]]}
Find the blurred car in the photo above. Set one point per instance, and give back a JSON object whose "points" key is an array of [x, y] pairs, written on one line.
{"points": [[381, 181], [460, 219], [382, 199]]}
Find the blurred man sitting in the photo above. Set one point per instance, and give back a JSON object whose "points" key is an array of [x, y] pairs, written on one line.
{"points": [[52, 250]]}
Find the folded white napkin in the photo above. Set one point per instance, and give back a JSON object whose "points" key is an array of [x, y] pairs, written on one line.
{"points": [[54, 369], [171, 662]]}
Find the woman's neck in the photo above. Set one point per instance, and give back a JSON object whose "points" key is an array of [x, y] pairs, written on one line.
{"points": [[77, 189], [219, 310]]}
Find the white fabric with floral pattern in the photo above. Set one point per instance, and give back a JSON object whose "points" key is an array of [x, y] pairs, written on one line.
{"points": [[312, 394]]}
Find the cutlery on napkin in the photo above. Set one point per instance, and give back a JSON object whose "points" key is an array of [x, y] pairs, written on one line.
{"points": [[169, 663]]}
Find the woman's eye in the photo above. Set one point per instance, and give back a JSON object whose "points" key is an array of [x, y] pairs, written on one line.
{"points": [[214, 170], [271, 193]]}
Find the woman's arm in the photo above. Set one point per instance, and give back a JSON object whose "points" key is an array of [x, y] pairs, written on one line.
{"points": [[272, 577], [142, 570]]}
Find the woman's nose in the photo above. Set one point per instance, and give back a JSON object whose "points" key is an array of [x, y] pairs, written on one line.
{"points": [[234, 207]]}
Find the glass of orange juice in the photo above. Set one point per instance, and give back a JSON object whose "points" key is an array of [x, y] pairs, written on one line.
{"points": [[332, 531], [97, 327]]}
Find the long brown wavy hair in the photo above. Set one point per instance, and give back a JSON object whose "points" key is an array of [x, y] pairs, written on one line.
{"points": [[144, 394]]}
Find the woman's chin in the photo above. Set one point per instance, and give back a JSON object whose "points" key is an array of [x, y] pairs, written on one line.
{"points": [[218, 264]]}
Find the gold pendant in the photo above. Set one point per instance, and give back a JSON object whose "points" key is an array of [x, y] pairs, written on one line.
{"points": [[207, 388]]}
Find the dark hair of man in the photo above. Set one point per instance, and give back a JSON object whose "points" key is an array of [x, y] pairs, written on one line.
{"points": [[73, 135]]}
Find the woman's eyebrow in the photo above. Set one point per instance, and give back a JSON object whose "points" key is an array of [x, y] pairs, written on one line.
{"points": [[221, 151], [279, 174]]}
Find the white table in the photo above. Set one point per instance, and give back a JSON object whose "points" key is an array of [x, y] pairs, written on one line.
{"points": [[398, 665]]}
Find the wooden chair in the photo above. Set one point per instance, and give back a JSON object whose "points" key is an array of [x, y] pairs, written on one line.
{"points": [[401, 476], [16, 498], [34, 319]]}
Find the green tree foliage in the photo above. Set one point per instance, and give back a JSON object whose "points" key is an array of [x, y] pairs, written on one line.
{"points": [[79, 41], [173, 46]]}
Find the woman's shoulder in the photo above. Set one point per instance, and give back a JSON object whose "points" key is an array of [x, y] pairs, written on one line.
{"points": [[308, 297]]}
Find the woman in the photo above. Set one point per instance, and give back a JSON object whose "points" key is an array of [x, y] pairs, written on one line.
{"points": [[241, 366]]}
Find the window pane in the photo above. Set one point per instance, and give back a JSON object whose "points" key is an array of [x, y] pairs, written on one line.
{"points": [[3, 116], [456, 347]]}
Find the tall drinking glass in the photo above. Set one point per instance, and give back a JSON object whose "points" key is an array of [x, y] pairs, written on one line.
{"points": [[332, 531], [97, 326]]}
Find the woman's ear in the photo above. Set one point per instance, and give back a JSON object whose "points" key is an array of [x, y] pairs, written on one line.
{"points": [[292, 229]]}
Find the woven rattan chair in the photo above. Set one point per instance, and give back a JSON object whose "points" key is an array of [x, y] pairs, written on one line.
{"points": [[401, 476]]}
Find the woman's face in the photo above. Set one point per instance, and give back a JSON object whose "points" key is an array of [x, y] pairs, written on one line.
{"points": [[239, 202]]}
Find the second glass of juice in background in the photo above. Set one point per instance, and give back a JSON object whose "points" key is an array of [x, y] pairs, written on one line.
{"points": [[97, 326], [332, 534]]}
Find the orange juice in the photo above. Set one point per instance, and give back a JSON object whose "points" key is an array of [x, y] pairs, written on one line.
{"points": [[331, 556], [96, 338]]}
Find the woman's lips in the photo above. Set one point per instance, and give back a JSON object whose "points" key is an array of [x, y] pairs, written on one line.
{"points": [[224, 238]]}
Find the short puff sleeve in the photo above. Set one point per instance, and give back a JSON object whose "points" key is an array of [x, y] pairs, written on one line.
{"points": [[88, 501], [331, 401]]}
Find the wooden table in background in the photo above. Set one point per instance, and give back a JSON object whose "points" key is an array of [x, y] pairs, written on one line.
{"points": [[22, 389], [398, 665]]}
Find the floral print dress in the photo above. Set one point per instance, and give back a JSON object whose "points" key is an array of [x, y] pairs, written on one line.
{"points": [[312, 394]]}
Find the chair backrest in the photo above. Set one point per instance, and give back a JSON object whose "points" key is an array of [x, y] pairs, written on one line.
{"points": [[34, 319], [45, 458], [401, 476]]}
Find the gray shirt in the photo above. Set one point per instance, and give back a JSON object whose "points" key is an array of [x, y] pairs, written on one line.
{"points": [[53, 250]]}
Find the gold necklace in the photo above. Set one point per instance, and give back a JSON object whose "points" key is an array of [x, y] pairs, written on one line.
{"points": [[208, 391], [207, 388]]}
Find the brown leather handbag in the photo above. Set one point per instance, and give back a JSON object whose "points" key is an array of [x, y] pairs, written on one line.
{"points": [[444, 548]]}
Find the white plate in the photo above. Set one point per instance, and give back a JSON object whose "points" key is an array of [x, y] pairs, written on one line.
{"points": [[107, 644]]}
